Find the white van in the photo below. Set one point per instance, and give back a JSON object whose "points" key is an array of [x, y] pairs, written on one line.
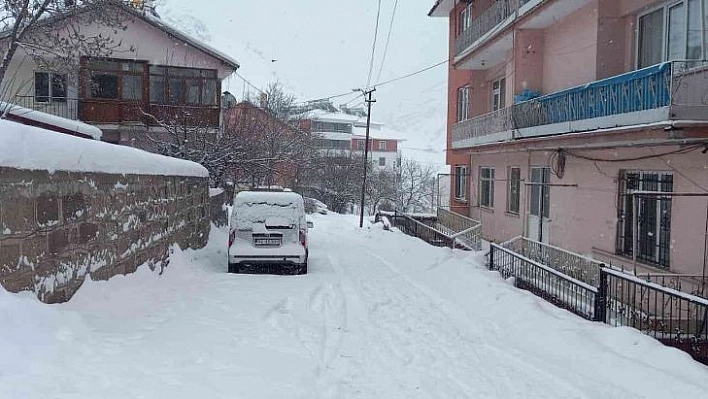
{"points": [[268, 233]]}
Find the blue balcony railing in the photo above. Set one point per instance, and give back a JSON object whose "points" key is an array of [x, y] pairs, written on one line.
{"points": [[640, 90], [671, 90]]}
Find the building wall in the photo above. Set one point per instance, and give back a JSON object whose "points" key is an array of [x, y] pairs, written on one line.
{"points": [[570, 50], [584, 218], [139, 41], [58, 228]]}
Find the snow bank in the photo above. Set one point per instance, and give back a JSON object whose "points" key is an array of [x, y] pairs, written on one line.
{"points": [[28, 147]]}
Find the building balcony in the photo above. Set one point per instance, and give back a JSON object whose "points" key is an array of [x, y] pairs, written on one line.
{"points": [[665, 92], [497, 14], [117, 112], [489, 37]]}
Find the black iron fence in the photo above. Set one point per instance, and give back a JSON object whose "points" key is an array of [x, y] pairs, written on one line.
{"points": [[562, 290], [417, 228], [570, 264], [674, 318]]}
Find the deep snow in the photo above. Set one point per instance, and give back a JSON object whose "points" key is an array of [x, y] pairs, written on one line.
{"points": [[33, 148], [381, 315]]}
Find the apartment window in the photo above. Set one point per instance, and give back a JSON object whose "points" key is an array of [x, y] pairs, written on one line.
{"points": [[675, 31], [382, 146], [461, 175], [115, 80], [465, 19], [463, 104], [360, 144], [486, 187], [540, 202], [331, 127], [382, 161], [183, 86], [653, 228], [49, 87], [498, 94], [513, 190]]}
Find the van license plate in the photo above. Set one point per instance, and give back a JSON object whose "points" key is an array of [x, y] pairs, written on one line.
{"points": [[267, 242]]}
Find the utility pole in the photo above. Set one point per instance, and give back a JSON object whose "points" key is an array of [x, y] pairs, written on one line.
{"points": [[367, 97]]}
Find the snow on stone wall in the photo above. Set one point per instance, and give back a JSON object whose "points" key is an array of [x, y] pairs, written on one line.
{"points": [[56, 228], [32, 148], [71, 207]]}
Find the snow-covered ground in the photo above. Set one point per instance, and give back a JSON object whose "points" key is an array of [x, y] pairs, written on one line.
{"points": [[381, 315]]}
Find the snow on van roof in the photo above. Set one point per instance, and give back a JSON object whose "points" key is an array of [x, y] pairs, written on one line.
{"points": [[270, 197]]}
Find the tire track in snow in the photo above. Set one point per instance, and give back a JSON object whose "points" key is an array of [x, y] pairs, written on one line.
{"points": [[422, 308]]}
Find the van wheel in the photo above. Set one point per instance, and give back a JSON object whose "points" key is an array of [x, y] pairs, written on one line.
{"points": [[232, 268], [303, 268]]}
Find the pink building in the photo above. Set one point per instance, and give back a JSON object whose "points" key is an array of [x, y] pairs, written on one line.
{"points": [[560, 110], [154, 74]]}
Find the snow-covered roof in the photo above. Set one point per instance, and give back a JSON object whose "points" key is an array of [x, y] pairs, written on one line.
{"points": [[155, 21], [22, 115], [33, 148], [326, 116], [380, 134], [441, 8], [171, 30]]}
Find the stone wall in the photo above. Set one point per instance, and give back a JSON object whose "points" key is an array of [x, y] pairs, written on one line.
{"points": [[57, 228]]}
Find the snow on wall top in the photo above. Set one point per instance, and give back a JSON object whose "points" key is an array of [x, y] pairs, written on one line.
{"points": [[28, 147], [53, 120]]}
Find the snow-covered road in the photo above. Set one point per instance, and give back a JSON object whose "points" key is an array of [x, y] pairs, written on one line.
{"points": [[380, 315]]}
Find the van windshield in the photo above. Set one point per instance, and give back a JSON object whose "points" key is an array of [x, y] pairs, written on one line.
{"points": [[272, 214]]}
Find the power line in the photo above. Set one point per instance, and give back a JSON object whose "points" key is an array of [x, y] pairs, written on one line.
{"points": [[373, 47], [411, 74], [382, 83], [249, 83], [388, 40]]}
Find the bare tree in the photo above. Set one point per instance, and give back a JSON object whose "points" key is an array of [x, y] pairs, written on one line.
{"points": [[52, 32], [415, 186], [276, 150], [381, 188], [194, 138], [336, 179]]}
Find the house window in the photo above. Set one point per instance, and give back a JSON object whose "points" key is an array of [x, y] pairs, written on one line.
{"points": [[382, 146], [653, 228], [463, 104], [360, 144], [498, 94], [513, 190], [115, 80], [318, 126], [49, 87], [486, 187], [382, 161], [465, 19], [461, 174], [675, 31], [183, 86]]}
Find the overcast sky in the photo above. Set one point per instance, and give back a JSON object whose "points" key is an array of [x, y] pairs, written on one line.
{"points": [[323, 47]]}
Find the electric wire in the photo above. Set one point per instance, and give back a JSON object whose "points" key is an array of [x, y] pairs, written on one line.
{"points": [[388, 40], [380, 84], [373, 46]]}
